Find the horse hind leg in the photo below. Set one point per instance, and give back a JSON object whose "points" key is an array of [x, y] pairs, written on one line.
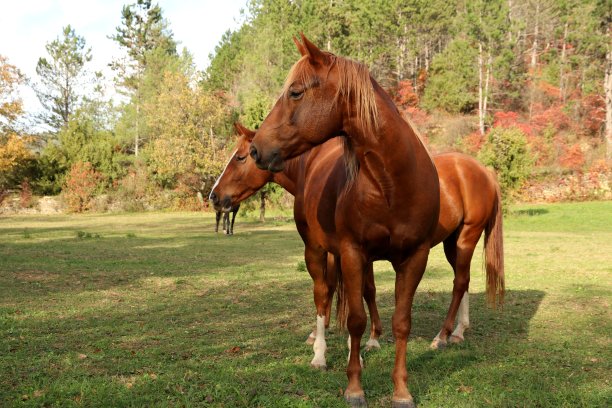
{"points": [[459, 255], [463, 319]]}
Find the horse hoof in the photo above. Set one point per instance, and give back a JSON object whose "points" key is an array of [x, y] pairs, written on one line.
{"points": [[356, 400], [403, 403], [437, 344], [372, 344], [318, 366], [455, 339]]}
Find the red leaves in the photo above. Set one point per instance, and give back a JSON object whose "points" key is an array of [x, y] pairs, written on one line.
{"points": [[573, 158]]}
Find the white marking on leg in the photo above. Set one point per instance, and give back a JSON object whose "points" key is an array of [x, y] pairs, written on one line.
{"points": [[437, 342], [463, 317], [311, 337], [319, 346], [372, 344], [348, 342]]}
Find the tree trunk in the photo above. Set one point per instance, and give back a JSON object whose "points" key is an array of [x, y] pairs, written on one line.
{"points": [[608, 93], [486, 91], [137, 137], [212, 145], [562, 89], [262, 206], [480, 91], [536, 33]]}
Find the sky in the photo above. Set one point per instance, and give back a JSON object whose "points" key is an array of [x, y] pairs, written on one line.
{"points": [[27, 25]]}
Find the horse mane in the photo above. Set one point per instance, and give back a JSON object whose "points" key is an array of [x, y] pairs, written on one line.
{"points": [[355, 85]]}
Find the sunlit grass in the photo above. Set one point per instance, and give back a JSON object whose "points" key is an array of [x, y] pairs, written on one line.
{"points": [[157, 310]]}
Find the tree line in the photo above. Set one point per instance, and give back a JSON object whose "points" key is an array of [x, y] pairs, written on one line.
{"points": [[540, 67]]}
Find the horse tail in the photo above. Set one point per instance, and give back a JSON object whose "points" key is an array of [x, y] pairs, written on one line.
{"points": [[341, 299], [494, 252]]}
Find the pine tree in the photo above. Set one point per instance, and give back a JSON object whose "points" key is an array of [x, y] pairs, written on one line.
{"points": [[62, 74]]}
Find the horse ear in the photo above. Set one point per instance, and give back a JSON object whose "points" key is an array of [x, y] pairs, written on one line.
{"points": [[300, 47], [314, 53], [248, 133]]}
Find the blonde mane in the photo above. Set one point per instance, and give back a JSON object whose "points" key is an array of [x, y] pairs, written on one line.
{"points": [[355, 86]]}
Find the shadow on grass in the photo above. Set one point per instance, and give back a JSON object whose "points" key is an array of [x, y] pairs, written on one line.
{"points": [[531, 212], [241, 345]]}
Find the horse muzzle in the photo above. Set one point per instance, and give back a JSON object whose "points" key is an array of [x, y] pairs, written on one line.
{"points": [[271, 162]]}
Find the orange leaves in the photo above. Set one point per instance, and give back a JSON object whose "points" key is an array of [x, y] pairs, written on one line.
{"points": [[82, 184]]}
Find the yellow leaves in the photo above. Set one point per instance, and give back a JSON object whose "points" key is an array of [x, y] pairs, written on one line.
{"points": [[181, 120], [13, 152]]}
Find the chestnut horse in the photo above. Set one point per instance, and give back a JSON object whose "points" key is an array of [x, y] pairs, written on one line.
{"points": [[228, 227], [390, 205], [469, 204], [241, 178]]}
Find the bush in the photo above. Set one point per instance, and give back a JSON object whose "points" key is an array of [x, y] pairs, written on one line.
{"points": [[506, 151], [83, 182]]}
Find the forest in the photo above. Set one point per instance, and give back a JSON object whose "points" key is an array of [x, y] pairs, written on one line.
{"points": [[524, 85]]}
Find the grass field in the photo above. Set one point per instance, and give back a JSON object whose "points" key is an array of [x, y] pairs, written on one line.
{"points": [[157, 310]]}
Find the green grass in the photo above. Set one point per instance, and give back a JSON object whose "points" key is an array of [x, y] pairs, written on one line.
{"points": [[157, 310]]}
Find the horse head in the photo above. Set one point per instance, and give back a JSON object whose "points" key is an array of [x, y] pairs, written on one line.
{"points": [[241, 178], [323, 94]]}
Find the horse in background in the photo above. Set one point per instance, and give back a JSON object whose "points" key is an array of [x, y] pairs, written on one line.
{"points": [[228, 227], [387, 209]]}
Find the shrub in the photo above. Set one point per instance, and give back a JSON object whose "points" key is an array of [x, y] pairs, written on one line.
{"points": [[83, 182], [573, 157], [506, 151], [25, 195]]}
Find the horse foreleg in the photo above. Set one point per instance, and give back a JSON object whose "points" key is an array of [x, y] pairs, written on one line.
{"points": [[369, 294], [226, 223], [218, 218], [408, 275], [233, 220], [316, 262], [353, 266]]}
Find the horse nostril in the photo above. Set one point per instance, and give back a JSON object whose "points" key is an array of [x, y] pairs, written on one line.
{"points": [[253, 153], [214, 198]]}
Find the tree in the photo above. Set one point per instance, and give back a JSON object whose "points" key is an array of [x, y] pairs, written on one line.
{"points": [[182, 121], [11, 106], [453, 82], [506, 150], [14, 158], [62, 75], [145, 36]]}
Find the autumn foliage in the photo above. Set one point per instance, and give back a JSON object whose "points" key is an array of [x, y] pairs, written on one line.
{"points": [[83, 182]]}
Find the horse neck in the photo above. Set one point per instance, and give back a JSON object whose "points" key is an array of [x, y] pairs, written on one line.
{"points": [[288, 178], [393, 155]]}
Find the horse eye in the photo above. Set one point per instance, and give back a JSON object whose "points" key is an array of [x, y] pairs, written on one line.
{"points": [[295, 95], [241, 159]]}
